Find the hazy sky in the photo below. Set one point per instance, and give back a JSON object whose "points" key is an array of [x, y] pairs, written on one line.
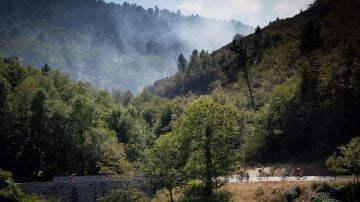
{"points": [[252, 12]]}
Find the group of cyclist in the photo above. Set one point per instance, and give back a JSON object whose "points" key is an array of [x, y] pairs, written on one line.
{"points": [[298, 173], [285, 172]]}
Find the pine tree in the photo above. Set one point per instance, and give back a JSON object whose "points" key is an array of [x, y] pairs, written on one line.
{"points": [[182, 63]]}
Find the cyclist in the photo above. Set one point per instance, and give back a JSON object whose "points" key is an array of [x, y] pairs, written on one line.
{"points": [[247, 176], [261, 172], [298, 172], [284, 172]]}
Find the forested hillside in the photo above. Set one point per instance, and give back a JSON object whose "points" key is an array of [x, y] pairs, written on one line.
{"points": [[51, 125], [290, 92], [297, 81], [109, 45]]}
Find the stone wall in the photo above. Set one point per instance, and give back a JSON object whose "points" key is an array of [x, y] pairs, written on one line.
{"points": [[82, 189]]}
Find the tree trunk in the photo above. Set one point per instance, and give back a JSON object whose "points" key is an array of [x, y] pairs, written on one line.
{"points": [[208, 174], [249, 87], [171, 195]]}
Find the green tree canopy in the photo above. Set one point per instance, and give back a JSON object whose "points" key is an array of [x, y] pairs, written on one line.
{"points": [[164, 163], [211, 137], [348, 159]]}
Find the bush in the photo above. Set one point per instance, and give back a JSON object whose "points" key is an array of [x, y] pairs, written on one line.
{"points": [[347, 192], [125, 195], [222, 196], [322, 196], [292, 194], [9, 191], [259, 191], [194, 192], [323, 187]]}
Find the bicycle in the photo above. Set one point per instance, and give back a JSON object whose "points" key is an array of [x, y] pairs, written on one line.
{"points": [[284, 174], [261, 175], [299, 174], [300, 177]]}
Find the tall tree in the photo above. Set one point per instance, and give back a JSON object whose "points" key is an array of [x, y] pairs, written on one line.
{"points": [[211, 136], [182, 63], [310, 38], [241, 58], [83, 116], [257, 43], [37, 139], [164, 164], [348, 161]]}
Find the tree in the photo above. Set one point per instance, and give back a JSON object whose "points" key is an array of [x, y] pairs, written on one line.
{"points": [[164, 164], [127, 98], [4, 92], [258, 43], [9, 190], [348, 159], [46, 69], [38, 138], [310, 38], [334, 165], [105, 153], [211, 137], [193, 60], [166, 120], [182, 63], [83, 116], [241, 63]]}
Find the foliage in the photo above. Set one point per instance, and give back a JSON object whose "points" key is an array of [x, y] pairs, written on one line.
{"points": [[9, 191], [300, 83], [194, 190], [310, 39], [164, 164], [208, 141], [52, 125], [292, 194], [57, 126], [197, 76], [342, 192], [323, 197], [125, 195], [348, 160], [259, 191]]}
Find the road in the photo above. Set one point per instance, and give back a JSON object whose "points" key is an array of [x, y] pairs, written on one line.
{"points": [[233, 179]]}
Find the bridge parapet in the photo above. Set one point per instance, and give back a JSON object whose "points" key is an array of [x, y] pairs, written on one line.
{"points": [[81, 188]]}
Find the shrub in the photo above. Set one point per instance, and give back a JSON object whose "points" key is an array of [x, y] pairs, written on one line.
{"points": [[322, 196], [324, 187], [292, 194], [194, 191], [125, 195], [344, 192], [9, 191], [259, 191]]}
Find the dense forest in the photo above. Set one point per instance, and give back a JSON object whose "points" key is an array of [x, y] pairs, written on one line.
{"points": [[107, 44], [52, 125], [289, 92]]}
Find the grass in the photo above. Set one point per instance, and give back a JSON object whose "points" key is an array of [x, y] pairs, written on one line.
{"points": [[263, 191], [271, 191], [257, 191]]}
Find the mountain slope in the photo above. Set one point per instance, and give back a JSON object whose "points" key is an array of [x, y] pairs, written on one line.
{"points": [[297, 80], [109, 45]]}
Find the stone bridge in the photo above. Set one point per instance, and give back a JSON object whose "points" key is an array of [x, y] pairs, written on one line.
{"points": [[81, 188]]}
